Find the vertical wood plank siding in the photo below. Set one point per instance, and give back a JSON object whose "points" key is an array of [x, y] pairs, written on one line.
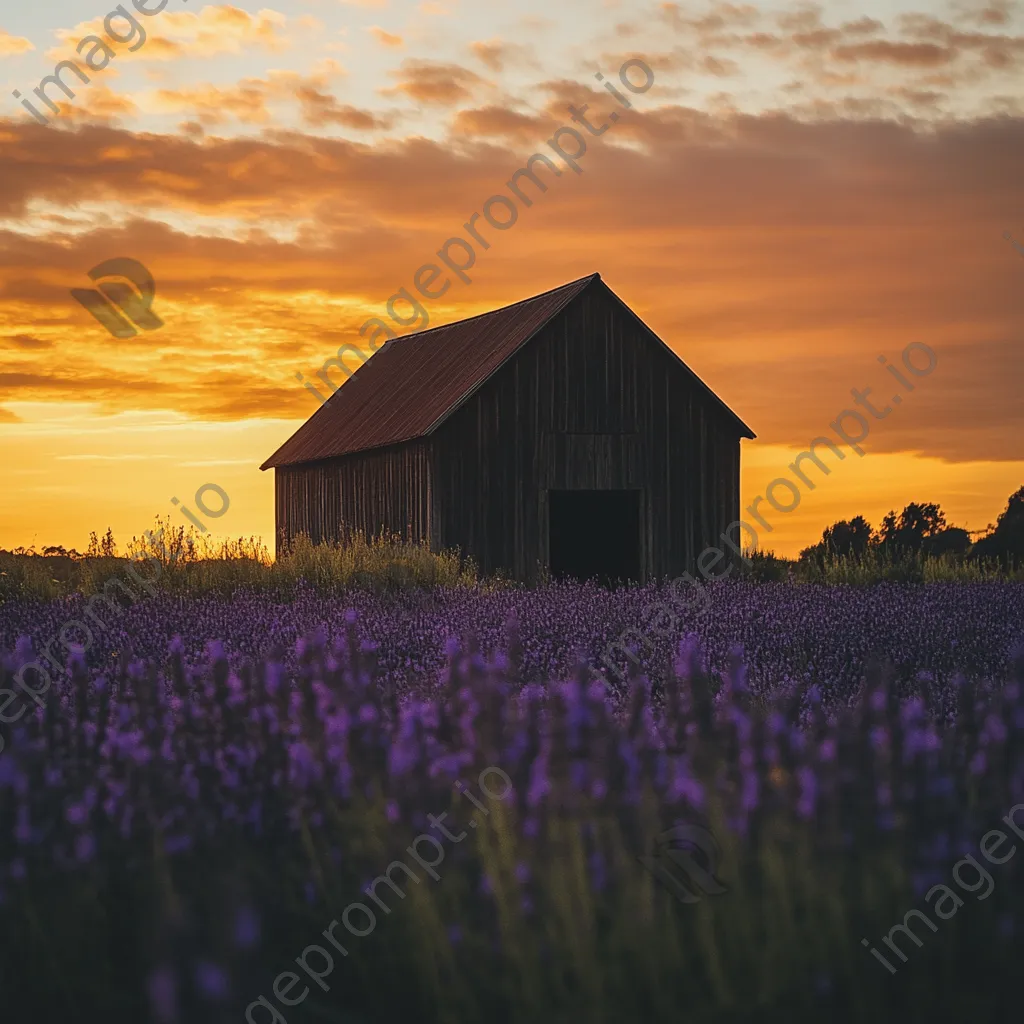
{"points": [[385, 490], [592, 401]]}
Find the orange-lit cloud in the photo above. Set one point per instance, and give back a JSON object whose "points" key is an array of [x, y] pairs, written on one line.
{"points": [[386, 39], [428, 81], [926, 55], [745, 242], [25, 342], [213, 30], [500, 122], [10, 45], [498, 54]]}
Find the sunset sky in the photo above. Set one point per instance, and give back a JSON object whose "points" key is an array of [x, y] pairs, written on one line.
{"points": [[804, 188]]}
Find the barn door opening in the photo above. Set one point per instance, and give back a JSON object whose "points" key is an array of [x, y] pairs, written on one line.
{"points": [[594, 535]]}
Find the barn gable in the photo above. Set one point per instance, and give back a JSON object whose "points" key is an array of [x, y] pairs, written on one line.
{"points": [[416, 381]]}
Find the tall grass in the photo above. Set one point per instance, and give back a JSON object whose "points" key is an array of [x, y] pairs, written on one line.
{"points": [[179, 560], [23, 577], [185, 562], [876, 566], [379, 564]]}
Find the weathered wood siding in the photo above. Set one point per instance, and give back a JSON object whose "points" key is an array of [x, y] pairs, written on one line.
{"points": [[592, 402], [386, 490]]}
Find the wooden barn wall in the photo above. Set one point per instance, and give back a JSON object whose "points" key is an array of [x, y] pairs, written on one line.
{"points": [[591, 402], [387, 490]]}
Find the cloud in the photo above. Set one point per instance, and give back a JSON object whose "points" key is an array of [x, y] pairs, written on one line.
{"points": [[386, 39], [320, 109], [26, 342], [862, 27], [10, 45], [719, 68], [252, 101], [499, 122], [497, 54], [209, 104], [971, 48], [778, 254], [6, 416], [725, 16], [909, 54], [40, 384], [210, 32], [432, 82], [101, 105], [997, 13]]}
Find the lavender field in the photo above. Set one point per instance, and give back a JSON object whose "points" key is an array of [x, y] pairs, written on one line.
{"points": [[789, 634], [428, 806]]}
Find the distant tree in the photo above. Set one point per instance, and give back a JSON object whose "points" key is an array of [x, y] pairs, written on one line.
{"points": [[908, 532], [848, 538], [1006, 541], [951, 541], [843, 538], [813, 552], [55, 550]]}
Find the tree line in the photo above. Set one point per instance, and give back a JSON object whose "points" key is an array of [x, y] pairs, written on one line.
{"points": [[921, 529]]}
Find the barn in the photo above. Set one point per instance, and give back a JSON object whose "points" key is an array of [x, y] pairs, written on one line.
{"points": [[557, 433]]}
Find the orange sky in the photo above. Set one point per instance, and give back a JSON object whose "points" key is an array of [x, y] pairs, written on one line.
{"points": [[802, 190]]}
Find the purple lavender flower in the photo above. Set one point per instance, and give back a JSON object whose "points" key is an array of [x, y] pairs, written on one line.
{"points": [[247, 927], [163, 995], [211, 980]]}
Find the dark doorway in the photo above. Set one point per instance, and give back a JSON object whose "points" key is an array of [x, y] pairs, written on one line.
{"points": [[594, 535]]}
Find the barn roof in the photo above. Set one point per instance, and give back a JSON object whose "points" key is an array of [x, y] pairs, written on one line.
{"points": [[415, 382]]}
